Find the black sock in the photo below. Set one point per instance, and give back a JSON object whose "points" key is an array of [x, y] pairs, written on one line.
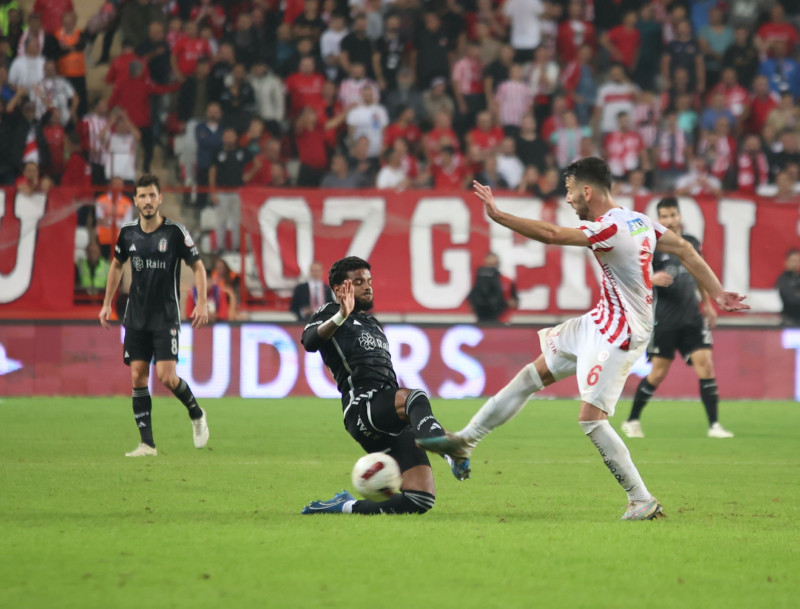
{"points": [[141, 413], [710, 396], [184, 393], [643, 394], [407, 502], [423, 423]]}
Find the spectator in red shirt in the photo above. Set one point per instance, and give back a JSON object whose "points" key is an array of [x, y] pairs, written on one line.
{"points": [[134, 96], [51, 12], [776, 29], [118, 70], [737, 99], [441, 135], [188, 50], [55, 136], [485, 135], [207, 13], [623, 41], [719, 150], [304, 87], [752, 166], [624, 149], [763, 102], [309, 137], [77, 171], [405, 128], [574, 32], [449, 172]]}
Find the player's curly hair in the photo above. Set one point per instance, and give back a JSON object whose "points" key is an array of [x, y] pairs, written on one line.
{"points": [[340, 268], [590, 169]]}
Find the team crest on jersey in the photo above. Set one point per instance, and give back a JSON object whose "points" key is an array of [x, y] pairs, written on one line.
{"points": [[138, 263], [173, 332], [162, 246], [637, 226]]}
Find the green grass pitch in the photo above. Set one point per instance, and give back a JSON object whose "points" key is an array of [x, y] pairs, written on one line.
{"points": [[536, 526]]}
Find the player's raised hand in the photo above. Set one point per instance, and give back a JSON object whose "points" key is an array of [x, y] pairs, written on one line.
{"points": [[731, 301], [105, 315], [347, 297], [484, 193], [199, 315]]}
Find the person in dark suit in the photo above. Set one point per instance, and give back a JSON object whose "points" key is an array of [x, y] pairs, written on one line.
{"points": [[311, 295]]}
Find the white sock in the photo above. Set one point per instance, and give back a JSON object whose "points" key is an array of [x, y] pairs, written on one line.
{"points": [[504, 405], [617, 458], [347, 508]]}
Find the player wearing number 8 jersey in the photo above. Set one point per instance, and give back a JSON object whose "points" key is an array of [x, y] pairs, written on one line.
{"points": [[155, 246], [600, 346]]}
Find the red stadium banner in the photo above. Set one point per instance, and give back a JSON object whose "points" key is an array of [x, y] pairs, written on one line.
{"points": [[256, 360], [424, 247]]}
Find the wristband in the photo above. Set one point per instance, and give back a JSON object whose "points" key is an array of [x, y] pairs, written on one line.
{"points": [[338, 319]]}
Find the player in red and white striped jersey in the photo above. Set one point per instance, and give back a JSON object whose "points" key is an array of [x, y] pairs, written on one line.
{"points": [[600, 346]]}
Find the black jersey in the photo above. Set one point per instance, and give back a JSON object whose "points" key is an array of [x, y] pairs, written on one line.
{"points": [[357, 354], [154, 300], [676, 305]]}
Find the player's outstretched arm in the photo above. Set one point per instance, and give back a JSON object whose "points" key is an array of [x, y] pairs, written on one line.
{"points": [[672, 243], [532, 229], [200, 313], [112, 283]]}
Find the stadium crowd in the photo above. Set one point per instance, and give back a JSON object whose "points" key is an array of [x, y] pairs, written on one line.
{"points": [[691, 97]]}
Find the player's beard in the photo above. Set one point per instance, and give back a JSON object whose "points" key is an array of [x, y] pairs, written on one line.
{"points": [[363, 304]]}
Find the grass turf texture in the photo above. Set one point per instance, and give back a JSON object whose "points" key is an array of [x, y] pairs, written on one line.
{"points": [[537, 525]]}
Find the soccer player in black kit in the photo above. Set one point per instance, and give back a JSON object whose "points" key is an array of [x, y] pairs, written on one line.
{"points": [[679, 326], [155, 246], [380, 415]]}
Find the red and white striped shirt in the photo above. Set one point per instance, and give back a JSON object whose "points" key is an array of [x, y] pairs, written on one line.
{"points": [[623, 151], [514, 100], [672, 150], [468, 76], [350, 91], [623, 242], [750, 167], [98, 145]]}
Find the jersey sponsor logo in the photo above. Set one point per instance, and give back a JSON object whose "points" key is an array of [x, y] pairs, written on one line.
{"points": [[132, 248], [637, 226], [367, 341], [140, 264], [162, 246]]}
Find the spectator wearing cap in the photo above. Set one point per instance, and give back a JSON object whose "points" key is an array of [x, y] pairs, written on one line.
{"points": [[436, 99], [429, 53]]}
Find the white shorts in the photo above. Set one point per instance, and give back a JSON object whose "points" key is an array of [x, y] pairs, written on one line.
{"points": [[577, 347]]}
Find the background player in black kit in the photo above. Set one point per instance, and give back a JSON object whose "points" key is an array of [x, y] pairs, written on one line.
{"points": [[155, 247], [380, 415], [679, 326]]}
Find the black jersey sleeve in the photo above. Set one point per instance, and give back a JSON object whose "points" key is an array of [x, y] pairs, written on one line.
{"points": [[121, 248], [310, 339], [186, 248]]}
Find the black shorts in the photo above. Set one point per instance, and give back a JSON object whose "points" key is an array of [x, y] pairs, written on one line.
{"points": [[371, 419], [686, 340], [150, 346]]}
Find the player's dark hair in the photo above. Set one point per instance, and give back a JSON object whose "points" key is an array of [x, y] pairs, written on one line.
{"points": [[145, 180], [591, 170], [340, 268], [668, 203]]}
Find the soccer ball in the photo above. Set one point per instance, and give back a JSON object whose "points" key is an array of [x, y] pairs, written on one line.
{"points": [[376, 476]]}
